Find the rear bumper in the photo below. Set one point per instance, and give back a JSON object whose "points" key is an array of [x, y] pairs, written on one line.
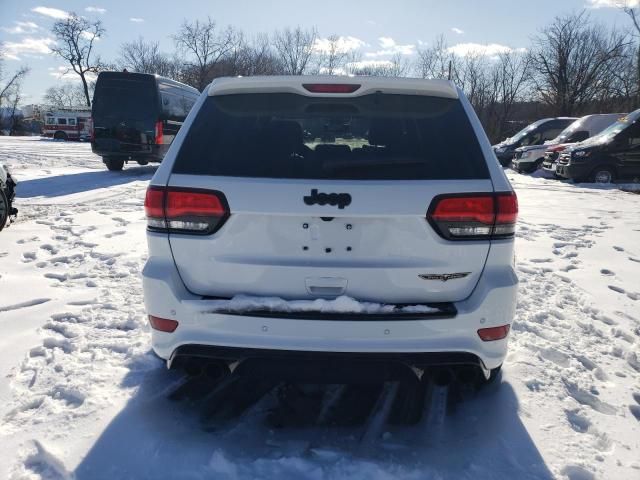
{"points": [[573, 170], [523, 164], [491, 304], [150, 153]]}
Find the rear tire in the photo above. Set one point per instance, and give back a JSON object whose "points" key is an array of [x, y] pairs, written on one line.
{"points": [[4, 209], [603, 175], [60, 136], [114, 164], [536, 166], [494, 373]]}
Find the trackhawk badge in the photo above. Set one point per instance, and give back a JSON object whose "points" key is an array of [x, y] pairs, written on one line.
{"points": [[443, 277]]}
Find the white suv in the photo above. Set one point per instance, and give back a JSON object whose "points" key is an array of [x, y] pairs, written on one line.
{"points": [[331, 217]]}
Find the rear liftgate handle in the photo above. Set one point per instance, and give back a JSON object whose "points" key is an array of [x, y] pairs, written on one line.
{"points": [[326, 286]]}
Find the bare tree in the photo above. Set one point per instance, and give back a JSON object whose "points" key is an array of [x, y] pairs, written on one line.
{"points": [[10, 93], [572, 60], [493, 84], [14, 114], [13, 82], [634, 15], [512, 78], [622, 89], [75, 40], [206, 45], [332, 55], [64, 96], [145, 57], [294, 48], [397, 66], [436, 61], [262, 60]]}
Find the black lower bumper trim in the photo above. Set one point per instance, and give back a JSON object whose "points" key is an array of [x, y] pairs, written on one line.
{"points": [[233, 354], [323, 367]]}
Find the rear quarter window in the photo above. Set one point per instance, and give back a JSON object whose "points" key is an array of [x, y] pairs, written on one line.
{"points": [[371, 137]]}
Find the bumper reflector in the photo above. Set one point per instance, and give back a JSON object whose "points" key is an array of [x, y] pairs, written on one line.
{"points": [[162, 324], [494, 333]]}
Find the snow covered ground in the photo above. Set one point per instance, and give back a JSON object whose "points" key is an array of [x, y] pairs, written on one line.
{"points": [[81, 395]]}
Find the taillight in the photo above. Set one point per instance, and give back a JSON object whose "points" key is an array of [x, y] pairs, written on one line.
{"points": [[163, 324], [474, 216], [159, 136], [494, 333], [506, 215], [154, 208], [183, 210], [331, 87], [92, 132]]}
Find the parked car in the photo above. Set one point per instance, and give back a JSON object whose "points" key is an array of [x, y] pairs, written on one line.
{"points": [[591, 124], [392, 240], [530, 158], [7, 194], [67, 125], [136, 116], [612, 154], [535, 134]]}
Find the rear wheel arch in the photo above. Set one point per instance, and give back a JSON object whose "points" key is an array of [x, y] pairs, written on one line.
{"points": [[599, 169]]}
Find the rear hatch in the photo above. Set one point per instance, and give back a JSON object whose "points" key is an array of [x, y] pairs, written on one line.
{"points": [[125, 111], [328, 196]]}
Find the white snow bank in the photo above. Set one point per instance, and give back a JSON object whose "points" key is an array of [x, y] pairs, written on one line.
{"points": [[342, 304]]}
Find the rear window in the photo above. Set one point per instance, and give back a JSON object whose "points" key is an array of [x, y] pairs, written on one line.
{"points": [[372, 137], [127, 96]]}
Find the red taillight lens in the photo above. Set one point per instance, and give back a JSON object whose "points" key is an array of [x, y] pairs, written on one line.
{"points": [[331, 87], [465, 209], [185, 210], [159, 135], [92, 132], [494, 333], [154, 207], [163, 324], [558, 148], [474, 216], [195, 211], [506, 215]]}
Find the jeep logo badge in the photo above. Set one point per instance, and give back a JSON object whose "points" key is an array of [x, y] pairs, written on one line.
{"points": [[339, 199]]}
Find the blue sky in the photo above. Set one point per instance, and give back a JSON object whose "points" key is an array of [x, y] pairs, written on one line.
{"points": [[378, 27]]}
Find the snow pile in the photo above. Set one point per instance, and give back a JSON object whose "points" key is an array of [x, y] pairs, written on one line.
{"points": [[341, 304]]}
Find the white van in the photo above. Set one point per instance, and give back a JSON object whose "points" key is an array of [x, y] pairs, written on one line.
{"points": [[530, 158]]}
